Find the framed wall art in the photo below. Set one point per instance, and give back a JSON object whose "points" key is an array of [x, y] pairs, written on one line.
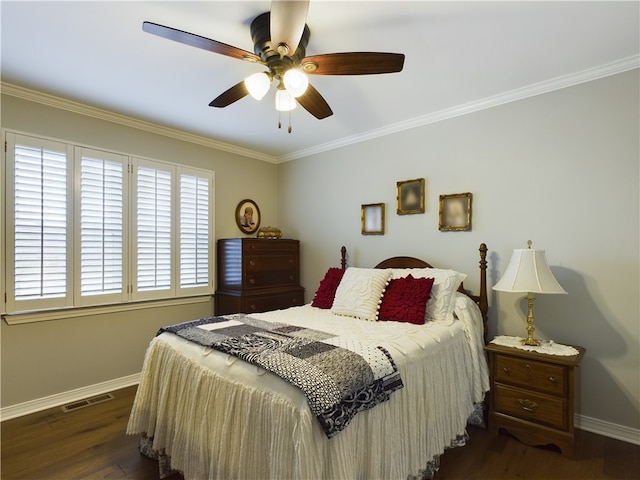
{"points": [[455, 212], [248, 216], [410, 196], [372, 219]]}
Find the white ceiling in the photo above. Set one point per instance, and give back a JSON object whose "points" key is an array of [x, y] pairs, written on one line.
{"points": [[460, 56]]}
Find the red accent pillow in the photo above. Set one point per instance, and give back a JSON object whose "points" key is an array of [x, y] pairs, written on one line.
{"points": [[405, 300], [327, 290]]}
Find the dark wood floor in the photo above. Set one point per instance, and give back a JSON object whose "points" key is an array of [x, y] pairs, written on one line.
{"points": [[90, 443]]}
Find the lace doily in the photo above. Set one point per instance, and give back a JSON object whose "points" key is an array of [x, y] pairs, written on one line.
{"points": [[546, 346]]}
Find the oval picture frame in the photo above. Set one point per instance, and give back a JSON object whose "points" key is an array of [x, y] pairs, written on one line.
{"points": [[248, 216]]}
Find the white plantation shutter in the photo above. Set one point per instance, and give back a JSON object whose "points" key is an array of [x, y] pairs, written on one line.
{"points": [[194, 230], [153, 228], [86, 227], [101, 219], [38, 223]]}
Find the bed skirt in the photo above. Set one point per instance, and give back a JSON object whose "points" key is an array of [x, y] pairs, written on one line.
{"points": [[477, 418]]}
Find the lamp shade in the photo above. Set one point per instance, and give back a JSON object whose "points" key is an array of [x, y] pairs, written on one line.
{"points": [[295, 82], [528, 271], [284, 101], [258, 84]]}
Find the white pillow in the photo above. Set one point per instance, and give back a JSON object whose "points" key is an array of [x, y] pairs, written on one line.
{"points": [[443, 293], [360, 292]]}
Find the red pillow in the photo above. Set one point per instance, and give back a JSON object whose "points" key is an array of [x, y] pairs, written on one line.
{"points": [[405, 300], [327, 289]]}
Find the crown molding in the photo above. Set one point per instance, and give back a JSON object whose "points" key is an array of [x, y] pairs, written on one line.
{"points": [[101, 114], [547, 86], [557, 83]]}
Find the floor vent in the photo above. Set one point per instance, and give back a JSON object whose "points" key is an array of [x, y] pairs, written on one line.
{"points": [[87, 402]]}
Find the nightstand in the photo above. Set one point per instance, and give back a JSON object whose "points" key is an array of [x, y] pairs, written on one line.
{"points": [[532, 395]]}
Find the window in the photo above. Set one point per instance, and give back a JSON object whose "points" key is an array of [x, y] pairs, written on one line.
{"points": [[69, 214], [100, 234]]}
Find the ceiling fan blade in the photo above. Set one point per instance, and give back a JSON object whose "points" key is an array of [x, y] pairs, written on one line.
{"points": [[235, 93], [353, 63], [287, 24], [200, 42], [314, 103]]}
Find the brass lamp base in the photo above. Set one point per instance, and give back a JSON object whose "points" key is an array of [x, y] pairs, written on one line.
{"points": [[530, 328]]}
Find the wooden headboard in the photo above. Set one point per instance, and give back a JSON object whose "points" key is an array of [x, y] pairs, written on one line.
{"points": [[411, 262]]}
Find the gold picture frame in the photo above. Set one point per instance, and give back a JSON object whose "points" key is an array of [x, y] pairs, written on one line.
{"points": [[248, 216], [455, 212], [410, 196], [372, 219]]}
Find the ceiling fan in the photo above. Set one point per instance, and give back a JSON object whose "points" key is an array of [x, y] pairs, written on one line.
{"points": [[280, 40]]}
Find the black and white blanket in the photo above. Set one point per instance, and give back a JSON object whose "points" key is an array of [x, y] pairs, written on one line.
{"points": [[340, 376]]}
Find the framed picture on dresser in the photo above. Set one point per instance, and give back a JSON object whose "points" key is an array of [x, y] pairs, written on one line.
{"points": [[248, 216]]}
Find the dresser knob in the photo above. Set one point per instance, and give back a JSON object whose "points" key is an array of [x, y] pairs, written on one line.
{"points": [[252, 263], [252, 281], [553, 380], [528, 367], [291, 260], [507, 370], [253, 307], [290, 277], [527, 405]]}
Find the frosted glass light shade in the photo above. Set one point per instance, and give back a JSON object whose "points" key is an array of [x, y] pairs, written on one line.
{"points": [[295, 82], [528, 271], [284, 101], [258, 84]]}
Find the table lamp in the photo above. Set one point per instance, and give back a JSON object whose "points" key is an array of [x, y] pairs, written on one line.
{"points": [[528, 272]]}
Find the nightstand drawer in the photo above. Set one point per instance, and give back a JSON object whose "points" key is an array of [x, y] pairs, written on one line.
{"points": [[530, 374], [525, 404]]}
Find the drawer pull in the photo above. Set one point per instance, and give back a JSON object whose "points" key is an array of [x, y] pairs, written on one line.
{"points": [[507, 370], [253, 307], [291, 260], [252, 281], [552, 379], [528, 367], [252, 263], [528, 405], [290, 277]]}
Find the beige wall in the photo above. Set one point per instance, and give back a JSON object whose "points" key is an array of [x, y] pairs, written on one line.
{"points": [[47, 358], [561, 169]]}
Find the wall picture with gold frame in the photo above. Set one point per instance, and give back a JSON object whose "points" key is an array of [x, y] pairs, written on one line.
{"points": [[455, 212], [248, 216], [410, 196], [372, 219]]}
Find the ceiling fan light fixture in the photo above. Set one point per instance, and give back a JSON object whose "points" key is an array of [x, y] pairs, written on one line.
{"points": [[258, 84], [284, 100], [295, 81]]}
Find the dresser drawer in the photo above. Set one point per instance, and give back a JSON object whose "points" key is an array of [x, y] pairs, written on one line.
{"points": [[272, 302], [530, 373], [528, 405], [265, 271], [252, 246]]}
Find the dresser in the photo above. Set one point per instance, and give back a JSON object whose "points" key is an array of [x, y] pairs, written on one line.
{"points": [[257, 275], [532, 395]]}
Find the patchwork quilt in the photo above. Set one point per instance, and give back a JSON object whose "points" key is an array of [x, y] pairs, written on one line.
{"points": [[340, 376]]}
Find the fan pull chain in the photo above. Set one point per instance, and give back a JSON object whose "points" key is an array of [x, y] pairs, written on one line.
{"points": [[289, 129]]}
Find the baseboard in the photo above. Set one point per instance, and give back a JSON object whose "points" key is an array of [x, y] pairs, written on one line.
{"points": [[593, 425], [32, 406], [607, 429]]}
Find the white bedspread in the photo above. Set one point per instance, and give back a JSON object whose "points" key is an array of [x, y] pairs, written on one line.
{"points": [[219, 417]]}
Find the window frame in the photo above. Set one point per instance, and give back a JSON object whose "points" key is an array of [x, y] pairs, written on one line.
{"points": [[129, 297]]}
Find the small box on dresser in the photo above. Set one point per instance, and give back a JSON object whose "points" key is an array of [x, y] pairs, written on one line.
{"points": [[257, 275], [532, 395]]}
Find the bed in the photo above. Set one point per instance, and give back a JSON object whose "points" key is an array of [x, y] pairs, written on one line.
{"points": [[211, 415]]}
